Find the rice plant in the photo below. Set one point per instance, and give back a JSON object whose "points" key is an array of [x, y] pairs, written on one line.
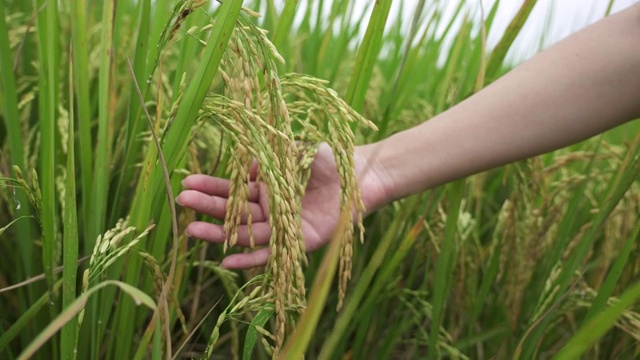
{"points": [[106, 106]]}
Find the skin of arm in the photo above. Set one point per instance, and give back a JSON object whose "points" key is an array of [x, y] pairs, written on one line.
{"points": [[582, 86]]}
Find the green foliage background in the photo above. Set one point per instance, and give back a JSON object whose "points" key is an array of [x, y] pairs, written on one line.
{"points": [[518, 262]]}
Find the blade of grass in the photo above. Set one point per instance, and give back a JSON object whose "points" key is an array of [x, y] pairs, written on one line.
{"points": [[48, 29], [500, 51], [252, 334], [133, 123], [298, 342], [609, 7], [362, 288], [445, 265], [385, 276], [479, 84], [157, 341], [139, 354], [26, 318], [620, 183], [102, 159], [594, 329], [175, 139], [74, 308], [175, 143], [105, 115], [83, 102], [164, 296], [367, 55], [68, 340], [606, 289], [408, 47], [283, 27], [454, 62], [14, 137]]}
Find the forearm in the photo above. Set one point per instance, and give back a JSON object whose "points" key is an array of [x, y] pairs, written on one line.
{"points": [[580, 87]]}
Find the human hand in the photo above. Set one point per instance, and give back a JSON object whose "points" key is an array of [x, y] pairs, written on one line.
{"points": [[320, 205]]}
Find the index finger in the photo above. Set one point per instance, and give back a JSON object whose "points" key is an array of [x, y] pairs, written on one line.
{"points": [[216, 186]]}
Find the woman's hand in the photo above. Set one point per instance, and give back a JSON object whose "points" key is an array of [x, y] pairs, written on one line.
{"points": [[320, 206]]}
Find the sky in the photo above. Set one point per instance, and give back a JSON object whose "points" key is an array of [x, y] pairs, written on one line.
{"points": [[555, 18]]}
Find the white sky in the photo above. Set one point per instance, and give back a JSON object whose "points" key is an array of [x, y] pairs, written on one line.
{"points": [[554, 18]]}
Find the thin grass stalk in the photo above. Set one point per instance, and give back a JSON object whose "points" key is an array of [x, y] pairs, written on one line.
{"points": [[14, 137], [609, 7], [259, 320], [166, 289], [607, 288], [479, 84], [133, 125], [376, 290], [271, 15], [488, 279], [365, 325], [282, 32], [298, 342], [142, 212], [162, 13], [568, 225], [627, 173], [159, 237], [76, 307], [100, 183], [590, 332], [477, 61], [445, 265], [408, 47], [156, 352], [175, 139], [174, 145], [367, 55], [425, 73], [304, 28], [105, 118], [446, 83], [69, 333], [352, 304], [47, 40], [500, 51], [327, 41], [189, 47], [415, 70], [334, 51], [27, 318], [80, 62]]}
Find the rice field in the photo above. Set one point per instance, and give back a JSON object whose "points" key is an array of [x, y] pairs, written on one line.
{"points": [[107, 105]]}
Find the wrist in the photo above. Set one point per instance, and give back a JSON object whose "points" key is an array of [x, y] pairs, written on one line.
{"points": [[375, 182]]}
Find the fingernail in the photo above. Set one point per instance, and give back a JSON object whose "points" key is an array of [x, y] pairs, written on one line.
{"points": [[177, 201]]}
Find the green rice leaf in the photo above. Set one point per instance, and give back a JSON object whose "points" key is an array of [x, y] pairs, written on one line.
{"points": [[252, 334], [78, 305], [593, 330], [367, 55]]}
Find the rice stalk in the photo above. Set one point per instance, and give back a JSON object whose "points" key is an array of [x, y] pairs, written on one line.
{"points": [[259, 125], [48, 25], [11, 105], [238, 304], [69, 338]]}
